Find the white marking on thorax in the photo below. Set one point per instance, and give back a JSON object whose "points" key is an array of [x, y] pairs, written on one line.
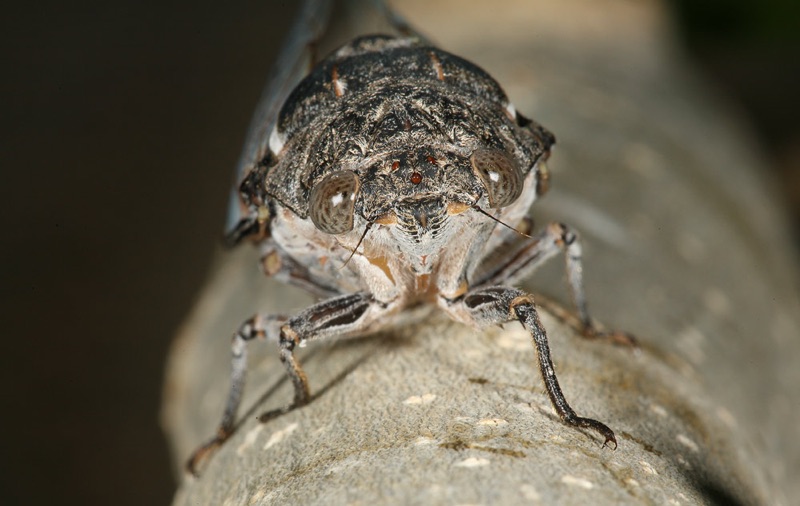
{"points": [[512, 111], [339, 87], [276, 141], [437, 67]]}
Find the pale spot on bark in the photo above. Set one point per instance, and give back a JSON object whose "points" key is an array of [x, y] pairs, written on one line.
{"points": [[280, 435], [249, 439], [420, 399], [577, 482], [688, 443], [473, 462]]}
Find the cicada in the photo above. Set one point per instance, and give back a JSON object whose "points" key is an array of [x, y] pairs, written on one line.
{"points": [[390, 178]]}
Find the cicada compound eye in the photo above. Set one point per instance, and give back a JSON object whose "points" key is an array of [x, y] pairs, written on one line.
{"points": [[332, 202], [499, 174]]}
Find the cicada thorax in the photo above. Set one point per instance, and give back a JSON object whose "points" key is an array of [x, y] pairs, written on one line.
{"points": [[388, 125]]}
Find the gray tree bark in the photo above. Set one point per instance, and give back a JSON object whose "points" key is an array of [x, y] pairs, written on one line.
{"points": [[683, 246]]}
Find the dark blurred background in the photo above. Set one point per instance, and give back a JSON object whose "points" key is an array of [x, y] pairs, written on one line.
{"points": [[750, 51], [121, 123]]}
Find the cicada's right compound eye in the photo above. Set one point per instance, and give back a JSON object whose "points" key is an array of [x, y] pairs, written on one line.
{"points": [[499, 174], [332, 202]]}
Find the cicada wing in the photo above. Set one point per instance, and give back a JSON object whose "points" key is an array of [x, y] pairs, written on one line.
{"points": [[293, 63], [320, 26]]}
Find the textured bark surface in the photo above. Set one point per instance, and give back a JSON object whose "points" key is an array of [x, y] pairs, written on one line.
{"points": [[682, 247]]}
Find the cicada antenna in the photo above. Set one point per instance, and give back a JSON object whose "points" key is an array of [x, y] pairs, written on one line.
{"points": [[366, 229], [478, 208]]}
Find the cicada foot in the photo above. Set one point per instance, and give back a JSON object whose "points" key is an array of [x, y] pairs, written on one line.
{"points": [[205, 451], [615, 337]]}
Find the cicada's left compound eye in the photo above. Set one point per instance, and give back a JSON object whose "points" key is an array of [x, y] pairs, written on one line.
{"points": [[332, 202], [499, 174]]}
